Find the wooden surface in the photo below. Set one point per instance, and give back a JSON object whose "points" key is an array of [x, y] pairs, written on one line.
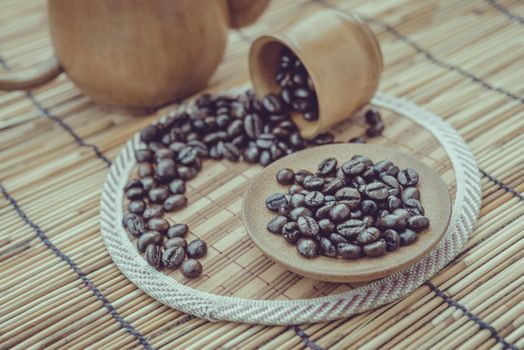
{"points": [[434, 197], [462, 60]]}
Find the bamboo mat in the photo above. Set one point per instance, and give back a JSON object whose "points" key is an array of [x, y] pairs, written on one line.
{"points": [[462, 60]]}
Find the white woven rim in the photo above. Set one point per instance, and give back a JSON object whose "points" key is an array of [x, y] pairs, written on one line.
{"points": [[277, 312]]}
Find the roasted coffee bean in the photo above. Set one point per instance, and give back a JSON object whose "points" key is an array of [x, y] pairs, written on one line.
{"points": [[196, 249], [323, 211], [327, 248], [149, 237], [265, 141], [307, 247], [175, 202], [353, 167], [299, 212], [349, 196], [372, 116], [290, 232], [275, 201], [277, 224], [285, 176], [149, 133], [356, 214], [135, 193], [410, 193], [177, 146], [158, 224], [382, 166], [173, 257], [323, 139], [407, 237], [377, 191], [187, 173], [153, 254], [375, 249], [175, 242], [390, 181], [368, 220], [158, 195], [330, 199], [418, 223], [297, 200], [145, 169], [392, 221], [351, 228], [253, 125], [349, 250], [326, 226], [333, 186], [392, 240], [231, 152], [336, 238], [177, 230], [143, 155], [313, 183], [166, 169], [308, 226], [214, 137], [187, 155], [394, 203], [369, 207], [295, 189], [177, 186], [375, 129], [148, 182], [272, 103], [296, 141], [339, 212], [393, 171], [314, 199], [152, 211], [164, 153], [357, 140], [301, 175], [135, 183], [369, 235], [135, 225], [199, 146], [311, 116], [401, 212], [126, 218], [328, 167], [265, 158], [408, 177], [155, 146], [251, 155], [235, 128], [136, 207], [191, 268], [413, 207]]}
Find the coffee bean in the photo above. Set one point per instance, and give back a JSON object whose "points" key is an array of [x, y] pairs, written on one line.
{"points": [[158, 195], [277, 224], [265, 158], [327, 248], [152, 211], [357, 140], [136, 207], [356, 214], [143, 155], [339, 212], [410, 193], [336, 238], [135, 225], [323, 139], [311, 116], [375, 129], [375, 249], [314, 199], [392, 221], [153, 254], [135, 193], [353, 167], [175, 202], [393, 171], [231, 152], [301, 104], [175, 242], [275, 201], [149, 133], [186, 173], [187, 155], [307, 247], [368, 220], [418, 223], [191, 268], [407, 237], [408, 177], [149, 237], [295, 189], [392, 240], [369, 235], [135, 183], [164, 153], [377, 191], [290, 232], [323, 211], [272, 103], [196, 249], [401, 212], [349, 196], [158, 224], [297, 200], [394, 203], [390, 181], [127, 217], [299, 212], [177, 186], [166, 169], [148, 183], [349, 250], [369, 207], [253, 125], [301, 175], [333, 186], [413, 207], [326, 226], [144, 169], [173, 257], [251, 155], [308, 226], [350, 229], [328, 167], [285, 176], [177, 230], [372, 116], [313, 183], [382, 166]]}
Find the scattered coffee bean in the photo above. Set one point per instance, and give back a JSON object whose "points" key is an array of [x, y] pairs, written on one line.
{"points": [[375, 249], [308, 226], [299, 212], [136, 207], [150, 237], [392, 240], [158, 224], [177, 186], [177, 230], [277, 224], [135, 225], [327, 248], [275, 201], [173, 257], [407, 237], [153, 254], [191, 268], [418, 223], [285, 176], [349, 250], [196, 249], [307, 247], [314, 199], [153, 211], [175, 242], [328, 167], [339, 213], [408, 177], [175, 202]]}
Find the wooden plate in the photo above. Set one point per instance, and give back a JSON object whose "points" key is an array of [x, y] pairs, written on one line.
{"points": [[434, 197]]}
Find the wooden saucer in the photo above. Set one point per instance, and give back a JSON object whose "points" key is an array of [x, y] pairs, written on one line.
{"points": [[434, 197]]}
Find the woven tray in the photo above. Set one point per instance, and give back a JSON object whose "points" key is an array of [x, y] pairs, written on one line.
{"points": [[213, 214]]}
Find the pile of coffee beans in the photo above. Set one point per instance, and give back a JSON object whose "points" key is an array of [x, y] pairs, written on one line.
{"points": [[298, 92], [217, 127], [358, 209]]}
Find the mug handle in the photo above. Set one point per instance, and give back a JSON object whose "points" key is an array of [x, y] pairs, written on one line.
{"points": [[245, 12], [30, 77]]}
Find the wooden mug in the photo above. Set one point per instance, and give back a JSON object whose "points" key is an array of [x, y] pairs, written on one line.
{"points": [[137, 54], [341, 55]]}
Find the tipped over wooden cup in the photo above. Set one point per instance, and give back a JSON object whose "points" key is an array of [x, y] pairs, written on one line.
{"points": [[339, 52]]}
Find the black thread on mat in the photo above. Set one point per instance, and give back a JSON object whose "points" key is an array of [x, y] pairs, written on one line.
{"points": [[87, 281], [429, 56], [45, 112], [502, 185], [471, 316], [500, 8], [305, 339]]}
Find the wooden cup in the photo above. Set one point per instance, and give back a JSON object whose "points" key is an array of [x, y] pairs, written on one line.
{"points": [[340, 54]]}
